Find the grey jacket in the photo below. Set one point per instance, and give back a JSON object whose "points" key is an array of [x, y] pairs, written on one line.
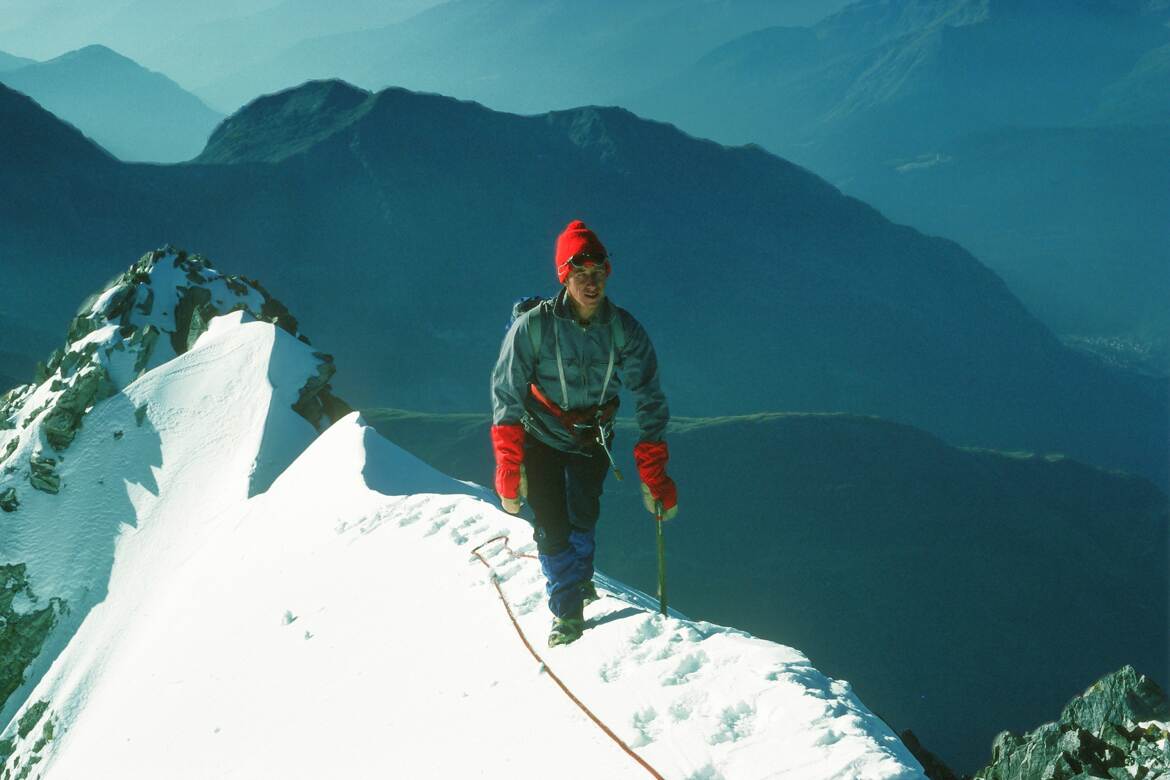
{"points": [[585, 354]]}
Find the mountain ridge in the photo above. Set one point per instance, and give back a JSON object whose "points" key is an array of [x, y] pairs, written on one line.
{"points": [[136, 113], [862, 315], [208, 444], [977, 556]]}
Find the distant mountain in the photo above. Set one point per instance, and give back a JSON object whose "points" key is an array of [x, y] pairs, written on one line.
{"points": [[1141, 96], [882, 86], [521, 56], [36, 142], [12, 62], [881, 79], [139, 115], [217, 50], [44, 30], [1070, 217], [952, 577], [415, 220], [276, 127]]}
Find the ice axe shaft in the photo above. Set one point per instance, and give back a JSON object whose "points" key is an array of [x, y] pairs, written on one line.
{"points": [[661, 558]]}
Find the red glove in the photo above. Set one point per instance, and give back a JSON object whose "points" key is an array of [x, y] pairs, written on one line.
{"points": [[651, 457], [508, 443]]}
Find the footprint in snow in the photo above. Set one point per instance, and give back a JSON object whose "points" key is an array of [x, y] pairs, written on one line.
{"points": [[681, 709], [409, 519], [649, 628], [610, 671], [643, 723], [667, 651], [506, 572], [687, 668], [828, 737], [735, 723], [527, 605], [706, 773]]}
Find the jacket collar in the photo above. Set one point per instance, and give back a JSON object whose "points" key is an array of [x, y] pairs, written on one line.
{"points": [[561, 309]]}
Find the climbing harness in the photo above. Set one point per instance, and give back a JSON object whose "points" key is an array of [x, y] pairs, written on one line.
{"points": [[591, 424]]}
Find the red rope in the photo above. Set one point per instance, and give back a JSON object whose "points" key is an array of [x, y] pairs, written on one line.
{"points": [[543, 663]]}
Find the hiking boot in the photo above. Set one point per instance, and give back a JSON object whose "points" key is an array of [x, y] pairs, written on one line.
{"points": [[565, 630], [588, 593]]}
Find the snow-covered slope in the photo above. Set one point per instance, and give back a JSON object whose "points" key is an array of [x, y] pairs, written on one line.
{"points": [[345, 621]]}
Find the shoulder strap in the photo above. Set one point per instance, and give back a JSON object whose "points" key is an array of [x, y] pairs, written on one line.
{"points": [[535, 321], [618, 330]]}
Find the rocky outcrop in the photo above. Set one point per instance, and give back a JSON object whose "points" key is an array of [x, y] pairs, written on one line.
{"points": [[157, 309], [117, 335], [24, 624], [42, 473], [27, 743], [316, 402], [1116, 729], [932, 766]]}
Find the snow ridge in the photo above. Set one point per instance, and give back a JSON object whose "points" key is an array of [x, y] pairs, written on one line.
{"points": [[330, 619], [82, 455]]}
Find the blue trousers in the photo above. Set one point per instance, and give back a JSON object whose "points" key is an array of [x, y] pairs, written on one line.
{"points": [[564, 491]]}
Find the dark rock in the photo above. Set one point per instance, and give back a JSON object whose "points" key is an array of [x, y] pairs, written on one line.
{"points": [[120, 302], [24, 633], [30, 718], [140, 414], [932, 765], [43, 475], [147, 305], [118, 435], [193, 311], [275, 312], [145, 339], [316, 401], [8, 500], [63, 422], [35, 414], [1122, 698], [9, 448], [334, 407], [1098, 736], [81, 326]]}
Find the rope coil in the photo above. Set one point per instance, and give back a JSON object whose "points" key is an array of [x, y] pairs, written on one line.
{"points": [[544, 664]]}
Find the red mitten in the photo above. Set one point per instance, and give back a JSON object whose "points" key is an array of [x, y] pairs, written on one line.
{"points": [[508, 444], [651, 457]]}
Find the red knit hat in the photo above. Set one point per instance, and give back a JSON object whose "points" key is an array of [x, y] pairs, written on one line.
{"points": [[577, 239]]}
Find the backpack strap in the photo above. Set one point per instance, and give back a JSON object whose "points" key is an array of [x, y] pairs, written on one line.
{"points": [[535, 322], [616, 345], [618, 330]]}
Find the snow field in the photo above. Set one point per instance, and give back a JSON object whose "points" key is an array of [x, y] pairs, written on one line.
{"points": [[337, 624]]}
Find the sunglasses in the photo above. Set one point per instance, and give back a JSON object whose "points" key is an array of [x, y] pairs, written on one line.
{"points": [[581, 260]]}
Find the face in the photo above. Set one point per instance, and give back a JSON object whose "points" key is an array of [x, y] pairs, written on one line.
{"points": [[587, 289]]}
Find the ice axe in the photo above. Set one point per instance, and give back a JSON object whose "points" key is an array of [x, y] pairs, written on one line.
{"points": [[661, 558]]}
